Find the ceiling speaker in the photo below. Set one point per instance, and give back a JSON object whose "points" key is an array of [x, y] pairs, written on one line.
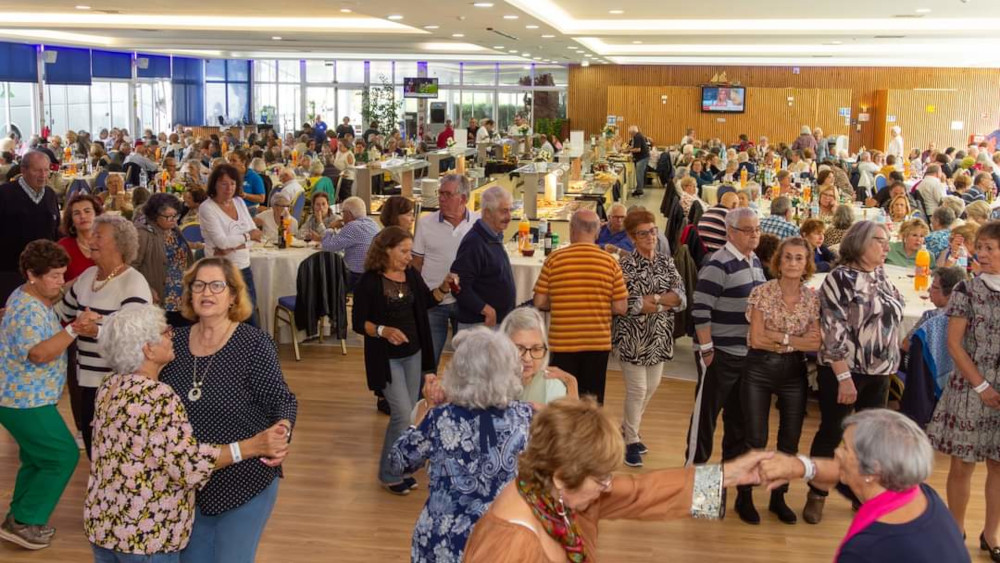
{"points": [[50, 56], [142, 62]]}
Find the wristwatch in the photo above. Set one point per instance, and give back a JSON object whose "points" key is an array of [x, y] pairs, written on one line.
{"points": [[656, 298]]}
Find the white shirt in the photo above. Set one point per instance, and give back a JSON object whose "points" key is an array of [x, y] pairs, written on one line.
{"points": [[868, 171], [221, 231], [484, 136], [270, 227], [291, 190], [896, 146], [437, 242], [344, 161], [142, 161], [932, 191]]}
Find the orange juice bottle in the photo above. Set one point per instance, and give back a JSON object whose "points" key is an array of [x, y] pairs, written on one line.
{"points": [[68, 153], [524, 233], [921, 273], [743, 178], [287, 224], [807, 193]]}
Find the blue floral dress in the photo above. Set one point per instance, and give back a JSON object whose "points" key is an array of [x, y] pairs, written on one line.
{"points": [[472, 455]]}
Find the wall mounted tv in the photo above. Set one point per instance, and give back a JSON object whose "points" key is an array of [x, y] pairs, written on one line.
{"points": [[723, 99], [420, 88]]}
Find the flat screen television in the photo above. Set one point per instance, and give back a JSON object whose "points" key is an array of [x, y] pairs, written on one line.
{"points": [[723, 99], [420, 88]]}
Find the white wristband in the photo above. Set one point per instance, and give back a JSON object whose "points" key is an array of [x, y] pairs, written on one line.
{"points": [[378, 330], [69, 330], [810, 467], [656, 298], [785, 341], [706, 347], [982, 387], [843, 376], [234, 449]]}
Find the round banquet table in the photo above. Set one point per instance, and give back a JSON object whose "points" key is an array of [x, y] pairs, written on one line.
{"points": [[526, 271], [902, 278], [274, 273]]}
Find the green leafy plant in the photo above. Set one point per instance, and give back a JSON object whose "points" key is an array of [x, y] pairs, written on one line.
{"points": [[379, 105]]}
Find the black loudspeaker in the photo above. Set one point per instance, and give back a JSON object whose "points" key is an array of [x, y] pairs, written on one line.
{"points": [[437, 115]]}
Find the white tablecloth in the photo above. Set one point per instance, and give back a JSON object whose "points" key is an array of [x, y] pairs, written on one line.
{"points": [[710, 193], [274, 274], [526, 272], [902, 278]]}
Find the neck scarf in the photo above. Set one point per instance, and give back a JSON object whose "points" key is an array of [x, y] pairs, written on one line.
{"points": [[875, 508], [555, 518]]}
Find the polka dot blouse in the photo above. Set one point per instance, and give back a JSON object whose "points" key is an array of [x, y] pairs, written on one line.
{"points": [[243, 393]]}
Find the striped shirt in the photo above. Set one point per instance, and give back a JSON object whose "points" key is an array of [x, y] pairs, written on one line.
{"points": [[720, 298], [353, 240], [779, 227], [581, 281], [712, 228], [128, 287]]}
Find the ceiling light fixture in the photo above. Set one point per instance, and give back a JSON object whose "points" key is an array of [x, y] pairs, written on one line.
{"points": [[585, 63], [637, 42], [498, 47], [525, 54], [458, 35], [548, 36], [54, 35], [923, 10], [531, 27], [510, 17], [82, 7], [345, 10], [616, 12], [431, 26], [395, 17], [276, 38], [483, 4]]}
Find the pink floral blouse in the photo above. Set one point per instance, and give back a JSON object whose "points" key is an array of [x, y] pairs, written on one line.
{"points": [[767, 299], [145, 470]]}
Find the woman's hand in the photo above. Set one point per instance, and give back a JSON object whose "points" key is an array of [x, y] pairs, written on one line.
{"points": [[433, 392], [744, 470], [86, 324], [256, 235], [271, 444], [990, 398], [572, 388], [781, 469], [395, 336], [847, 393]]}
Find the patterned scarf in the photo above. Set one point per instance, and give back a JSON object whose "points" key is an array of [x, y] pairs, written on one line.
{"points": [[555, 518]]}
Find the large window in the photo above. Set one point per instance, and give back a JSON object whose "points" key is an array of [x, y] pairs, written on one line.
{"points": [[227, 91], [277, 94], [17, 108], [109, 106], [68, 107], [154, 102]]}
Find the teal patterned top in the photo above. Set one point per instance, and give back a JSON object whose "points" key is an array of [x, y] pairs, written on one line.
{"points": [[23, 384]]}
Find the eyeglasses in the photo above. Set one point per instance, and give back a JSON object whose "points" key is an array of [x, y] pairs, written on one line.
{"points": [[604, 483], [446, 195], [650, 233], [168, 217], [537, 352], [748, 230], [214, 288], [169, 333], [881, 240]]}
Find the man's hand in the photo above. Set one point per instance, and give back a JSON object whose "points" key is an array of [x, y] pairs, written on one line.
{"points": [[489, 316]]}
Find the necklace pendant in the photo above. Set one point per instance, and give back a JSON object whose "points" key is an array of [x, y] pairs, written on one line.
{"points": [[194, 394]]}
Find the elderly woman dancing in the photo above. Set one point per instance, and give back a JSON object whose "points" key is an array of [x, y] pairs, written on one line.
{"points": [[471, 442], [542, 383], [141, 422]]}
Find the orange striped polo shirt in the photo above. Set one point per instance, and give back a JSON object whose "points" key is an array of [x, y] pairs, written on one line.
{"points": [[581, 281]]}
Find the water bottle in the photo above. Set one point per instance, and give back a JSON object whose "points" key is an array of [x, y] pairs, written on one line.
{"points": [[814, 209], [543, 227], [143, 177], [963, 257]]}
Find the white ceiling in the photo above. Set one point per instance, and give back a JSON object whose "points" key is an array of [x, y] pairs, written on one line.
{"points": [[775, 32]]}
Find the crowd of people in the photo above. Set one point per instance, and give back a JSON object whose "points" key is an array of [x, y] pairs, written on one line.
{"points": [[167, 371]]}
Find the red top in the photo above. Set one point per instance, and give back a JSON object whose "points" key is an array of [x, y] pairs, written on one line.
{"points": [[443, 136], [77, 261]]}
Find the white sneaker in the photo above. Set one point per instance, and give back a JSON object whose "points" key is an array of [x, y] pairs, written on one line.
{"points": [[79, 440]]}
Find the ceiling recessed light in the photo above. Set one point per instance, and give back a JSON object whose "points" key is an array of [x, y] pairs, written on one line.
{"points": [[276, 38], [923, 10], [431, 27], [531, 27], [547, 36], [585, 63], [637, 42], [512, 51], [345, 10], [82, 7], [526, 54], [510, 17], [498, 46], [395, 17], [572, 48], [483, 4], [458, 35], [616, 12]]}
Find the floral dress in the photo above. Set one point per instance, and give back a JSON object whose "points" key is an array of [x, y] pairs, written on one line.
{"points": [[768, 299], [177, 263], [473, 455], [962, 426], [146, 468]]}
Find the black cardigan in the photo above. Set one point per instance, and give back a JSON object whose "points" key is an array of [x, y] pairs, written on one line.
{"points": [[370, 305]]}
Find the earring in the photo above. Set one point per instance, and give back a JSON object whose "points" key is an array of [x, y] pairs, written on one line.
{"points": [[561, 509]]}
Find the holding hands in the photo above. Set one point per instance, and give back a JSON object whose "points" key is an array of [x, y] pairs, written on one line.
{"points": [[86, 323]]}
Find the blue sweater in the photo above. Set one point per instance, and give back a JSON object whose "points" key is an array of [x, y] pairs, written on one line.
{"points": [[619, 239], [484, 275]]}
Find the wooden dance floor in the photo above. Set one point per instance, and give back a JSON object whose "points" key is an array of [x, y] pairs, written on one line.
{"points": [[331, 509]]}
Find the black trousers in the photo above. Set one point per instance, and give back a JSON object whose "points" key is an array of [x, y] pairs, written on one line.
{"points": [[718, 390], [88, 400], [872, 394], [767, 374], [589, 368]]}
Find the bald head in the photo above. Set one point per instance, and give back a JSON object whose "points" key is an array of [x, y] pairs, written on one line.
{"points": [[584, 226]]}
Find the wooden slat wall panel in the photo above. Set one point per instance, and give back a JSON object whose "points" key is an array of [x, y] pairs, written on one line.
{"points": [[768, 109], [920, 126], [589, 89]]}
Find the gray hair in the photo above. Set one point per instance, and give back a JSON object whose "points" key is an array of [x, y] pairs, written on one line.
{"points": [[892, 447], [780, 205], [492, 198], [734, 216], [843, 216], [126, 332], [944, 216], [316, 168], [355, 206], [949, 277], [857, 239], [954, 203], [462, 186], [485, 370], [526, 318], [124, 234], [805, 130], [617, 205], [258, 165], [28, 156]]}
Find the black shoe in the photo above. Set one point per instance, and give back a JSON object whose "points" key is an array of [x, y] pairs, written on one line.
{"points": [[632, 456], [382, 405], [779, 508], [994, 551], [410, 482], [637, 194], [642, 448], [401, 488], [744, 506]]}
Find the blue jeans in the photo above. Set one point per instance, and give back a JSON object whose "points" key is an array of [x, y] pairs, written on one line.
{"points": [[102, 555], [640, 174], [402, 393], [231, 537], [440, 317], [252, 292]]}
